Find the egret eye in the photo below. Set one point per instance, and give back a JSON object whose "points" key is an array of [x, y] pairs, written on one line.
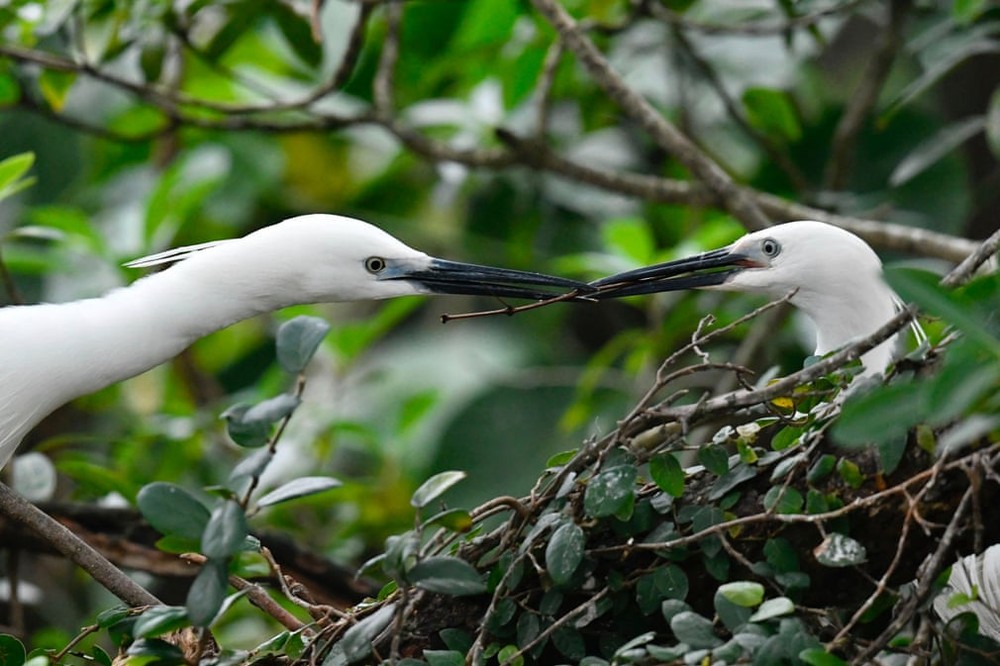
{"points": [[375, 264], [770, 247]]}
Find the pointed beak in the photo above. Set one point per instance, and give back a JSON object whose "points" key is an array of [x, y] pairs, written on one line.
{"points": [[451, 277], [702, 270]]}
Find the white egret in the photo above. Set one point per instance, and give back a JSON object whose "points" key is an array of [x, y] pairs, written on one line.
{"points": [[52, 353], [836, 275]]}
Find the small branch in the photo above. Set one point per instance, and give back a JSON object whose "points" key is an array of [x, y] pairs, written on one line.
{"points": [[70, 545], [511, 310], [755, 28], [659, 128], [386, 73], [13, 293], [964, 270]]}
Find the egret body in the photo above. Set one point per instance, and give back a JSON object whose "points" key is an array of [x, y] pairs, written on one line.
{"points": [[52, 353], [836, 276]]}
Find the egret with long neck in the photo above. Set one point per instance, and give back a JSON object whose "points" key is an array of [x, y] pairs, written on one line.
{"points": [[836, 277], [52, 353]]}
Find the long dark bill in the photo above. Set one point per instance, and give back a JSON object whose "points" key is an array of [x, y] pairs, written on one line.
{"points": [[701, 270], [452, 277]]}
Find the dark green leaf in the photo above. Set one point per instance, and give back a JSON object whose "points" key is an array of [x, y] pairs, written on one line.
{"points": [[301, 487], [159, 620], [890, 453], [172, 510], [207, 593], [886, 412], [733, 616], [12, 651], [112, 616], [922, 288], [298, 339], [564, 552], [933, 149], [458, 640], [156, 649], [297, 31], [446, 575], [714, 458], [783, 500], [820, 657], [569, 642], [225, 532], [838, 550], [357, 641], [668, 474], [610, 491], [528, 628], [850, 473], [444, 658], [434, 487], [693, 629], [822, 468]]}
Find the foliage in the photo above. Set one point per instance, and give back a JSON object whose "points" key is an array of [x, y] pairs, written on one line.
{"points": [[809, 524]]}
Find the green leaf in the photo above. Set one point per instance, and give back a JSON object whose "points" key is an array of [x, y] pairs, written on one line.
{"points": [[528, 628], [610, 492], [111, 616], [695, 630], [783, 500], [357, 641], [564, 552], [456, 520], [838, 550], [569, 642], [773, 608], [820, 657], [297, 342], [667, 474], [172, 510], [156, 650], [922, 288], [732, 615], [850, 473], [297, 31], [743, 593], [771, 112], [159, 620], [630, 238], [55, 86], [444, 658], [447, 575], [929, 152], [506, 656], [301, 487], [249, 434], [13, 169], [822, 468], [207, 592], [434, 487], [884, 413], [10, 90], [560, 459], [714, 458], [12, 651], [226, 530]]}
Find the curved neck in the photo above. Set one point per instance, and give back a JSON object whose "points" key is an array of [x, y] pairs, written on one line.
{"points": [[71, 349]]}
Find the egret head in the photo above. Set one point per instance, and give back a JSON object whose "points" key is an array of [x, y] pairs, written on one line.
{"points": [[836, 276], [329, 258]]}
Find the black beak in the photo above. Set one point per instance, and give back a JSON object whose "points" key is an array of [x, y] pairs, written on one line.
{"points": [[698, 271], [452, 277]]}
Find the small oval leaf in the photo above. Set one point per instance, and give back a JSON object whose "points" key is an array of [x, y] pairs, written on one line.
{"points": [[564, 552], [159, 620], [743, 593], [302, 487], [447, 575], [225, 532], [172, 510], [297, 342], [207, 593], [434, 487]]}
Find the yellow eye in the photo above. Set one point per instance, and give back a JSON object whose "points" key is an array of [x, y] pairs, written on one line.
{"points": [[375, 264]]}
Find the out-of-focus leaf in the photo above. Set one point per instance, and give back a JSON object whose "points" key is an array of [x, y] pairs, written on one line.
{"points": [[838, 550], [485, 23], [937, 71], [12, 172], [444, 658], [10, 90], [772, 112], [630, 238], [884, 413], [301, 487], [434, 487], [610, 492], [297, 341], [357, 641], [447, 575], [225, 532], [172, 510], [55, 86], [564, 552], [415, 408], [933, 149], [159, 620], [207, 593], [151, 57], [297, 31], [456, 520], [992, 123], [922, 288], [967, 11], [156, 650], [12, 651], [820, 657]]}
